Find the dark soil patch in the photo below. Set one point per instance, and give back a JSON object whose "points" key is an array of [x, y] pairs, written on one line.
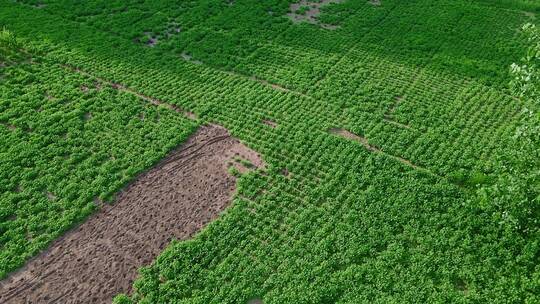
{"points": [[173, 200], [270, 123], [309, 11], [50, 196], [87, 116], [151, 40]]}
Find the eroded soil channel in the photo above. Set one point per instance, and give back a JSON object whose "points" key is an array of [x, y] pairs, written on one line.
{"points": [[173, 200]]}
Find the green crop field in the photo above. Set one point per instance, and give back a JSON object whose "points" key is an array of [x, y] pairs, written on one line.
{"points": [[394, 173]]}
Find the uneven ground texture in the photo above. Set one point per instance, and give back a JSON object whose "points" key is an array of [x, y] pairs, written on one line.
{"points": [[386, 139], [100, 258]]}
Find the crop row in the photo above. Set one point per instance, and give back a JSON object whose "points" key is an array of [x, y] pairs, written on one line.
{"points": [[330, 221], [65, 146]]}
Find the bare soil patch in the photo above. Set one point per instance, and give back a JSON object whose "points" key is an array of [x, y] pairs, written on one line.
{"points": [[309, 11], [173, 200], [50, 196], [389, 120], [285, 172], [270, 123], [272, 85], [392, 109], [151, 39]]}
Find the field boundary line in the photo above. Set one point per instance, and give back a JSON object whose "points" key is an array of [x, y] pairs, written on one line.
{"points": [[345, 134], [123, 88]]}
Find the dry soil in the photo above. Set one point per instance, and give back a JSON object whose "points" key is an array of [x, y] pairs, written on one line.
{"points": [[173, 200]]}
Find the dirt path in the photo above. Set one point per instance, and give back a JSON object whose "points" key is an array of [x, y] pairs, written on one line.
{"points": [[173, 200], [362, 140]]}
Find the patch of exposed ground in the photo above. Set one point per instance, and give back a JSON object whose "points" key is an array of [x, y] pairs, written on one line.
{"points": [[272, 85], [151, 39], [375, 2], [173, 200], [309, 11], [270, 123], [285, 172], [349, 135], [37, 5]]}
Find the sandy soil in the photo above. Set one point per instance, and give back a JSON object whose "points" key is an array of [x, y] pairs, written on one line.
{"points": [[173, 200]]}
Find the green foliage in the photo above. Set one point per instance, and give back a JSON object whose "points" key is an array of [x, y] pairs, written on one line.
{"points": [[62, 147], [424, 82], [514, 199], [234, 171], [526, 82], [7, 39], [302, 10]]}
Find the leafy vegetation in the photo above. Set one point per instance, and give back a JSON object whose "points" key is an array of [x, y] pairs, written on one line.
{"points": [[514, 199], [418, 207], [67, 143]]}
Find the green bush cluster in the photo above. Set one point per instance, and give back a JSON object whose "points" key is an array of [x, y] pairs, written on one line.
{"points": [[64, 145]]}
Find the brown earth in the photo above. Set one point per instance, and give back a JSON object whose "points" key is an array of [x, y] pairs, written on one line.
{"points": [[270, 123], [173, 200]]}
